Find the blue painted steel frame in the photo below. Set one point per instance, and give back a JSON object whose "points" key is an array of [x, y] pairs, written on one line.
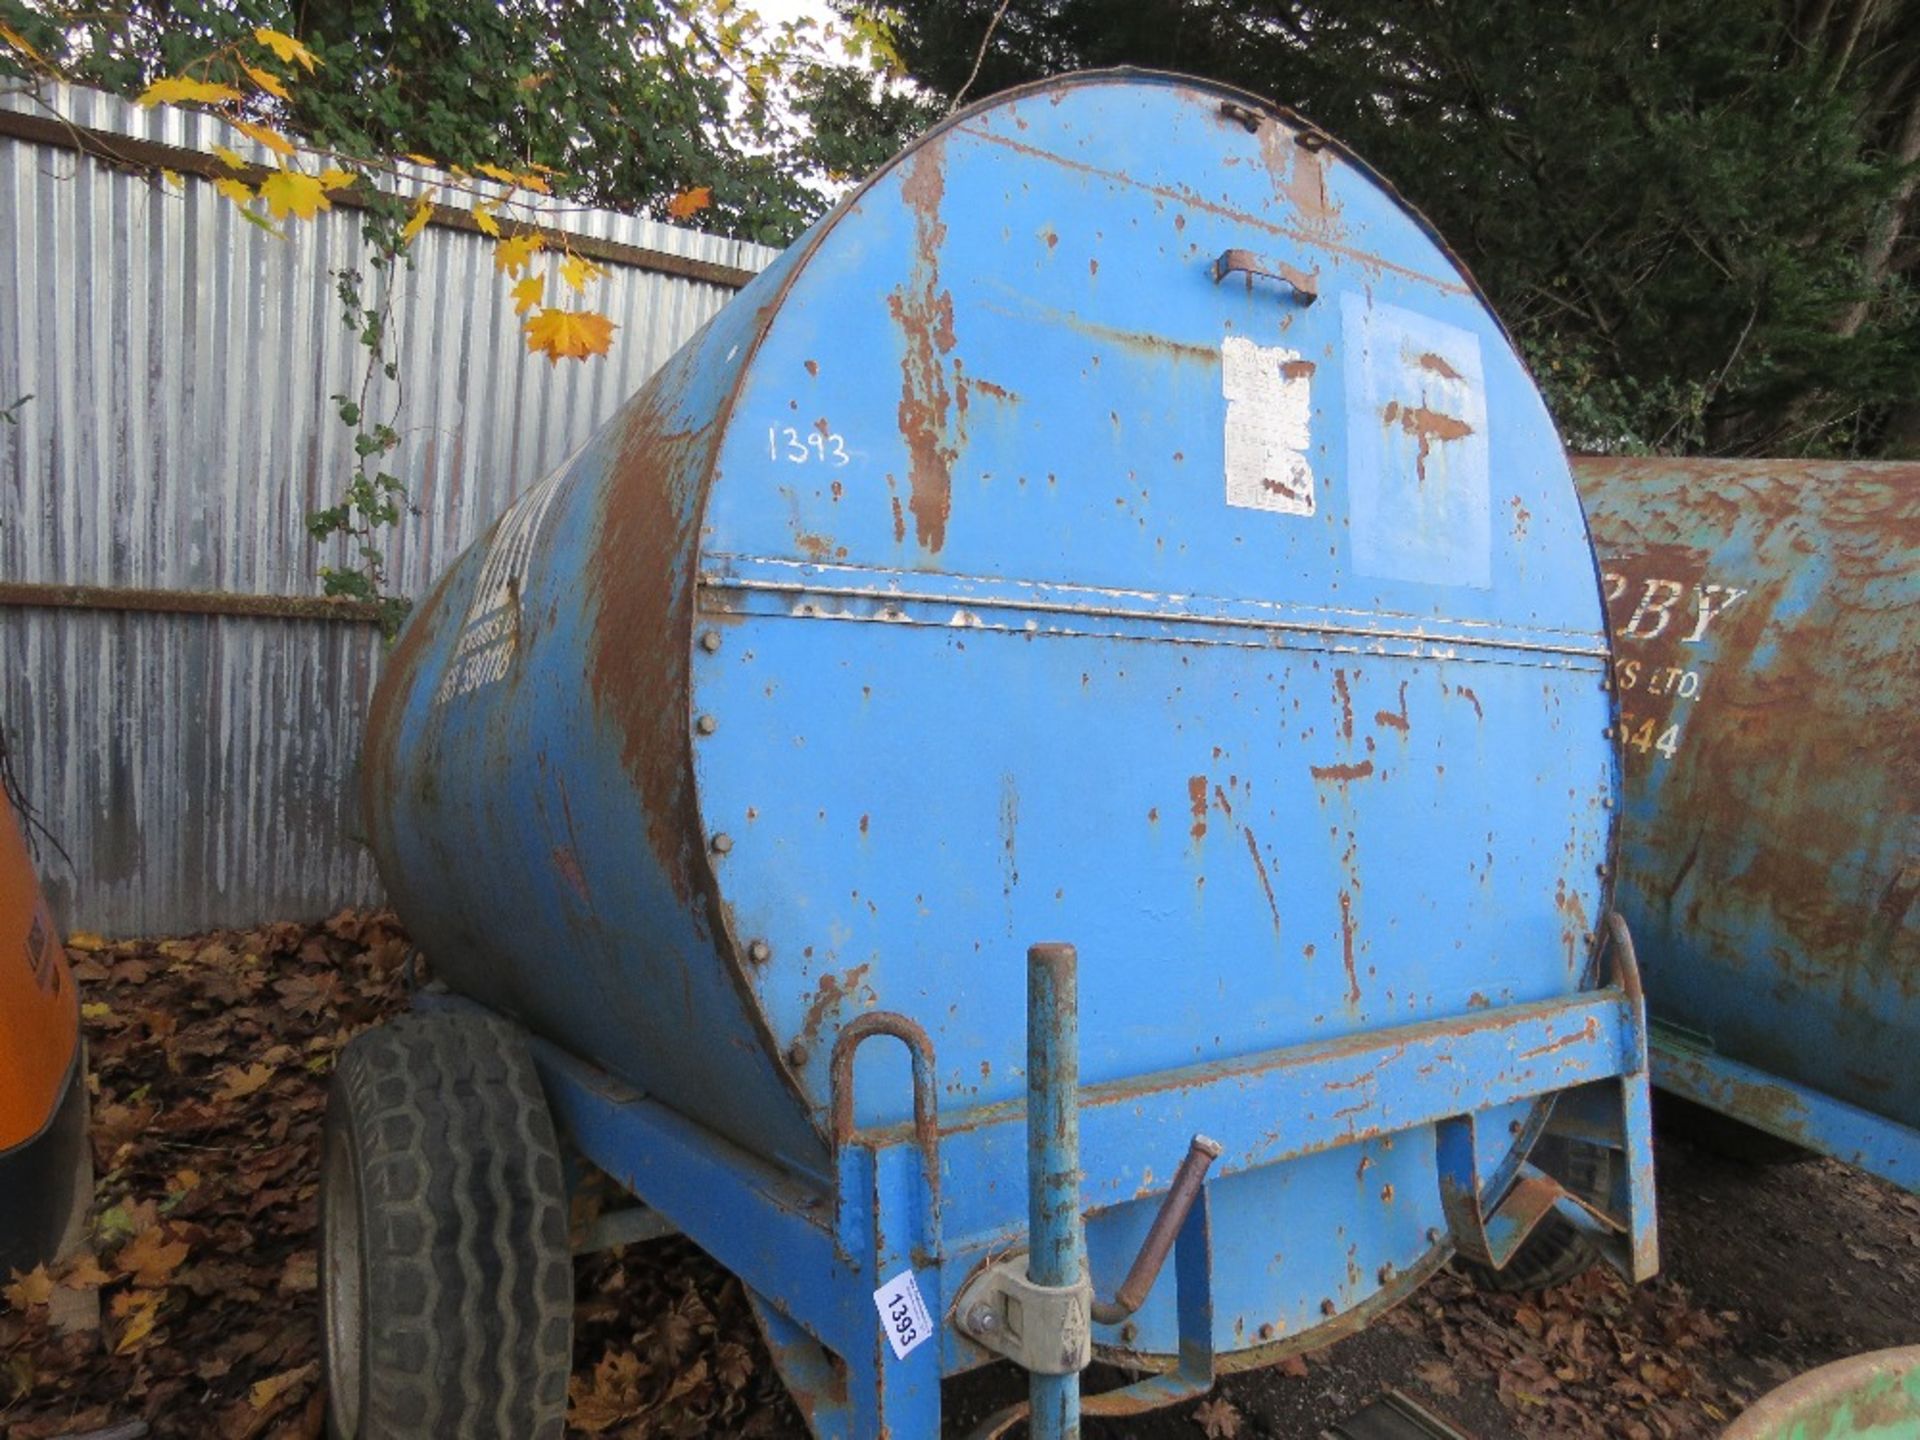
{"points": [[812, 1257], [1792, 1111]]}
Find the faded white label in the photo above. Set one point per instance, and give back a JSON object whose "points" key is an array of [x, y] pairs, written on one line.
{"points": [[1269, 412], [903, 1314], [491, 632]]}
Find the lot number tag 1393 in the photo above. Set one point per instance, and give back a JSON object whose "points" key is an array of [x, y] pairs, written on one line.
{"points": [[903, 1314]]}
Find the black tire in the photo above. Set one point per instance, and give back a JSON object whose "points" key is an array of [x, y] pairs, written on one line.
{"points": [[1557, 1251], [446, 1281]]}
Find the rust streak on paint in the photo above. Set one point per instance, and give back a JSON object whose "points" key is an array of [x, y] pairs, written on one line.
{"points": [[924, 314], [828, 996], [1436, 364], [1466, 694], [1358, 770], [634, 573], [1586, 1032], [1197, 800], [1426, 426], [1253, 849], [1346, 947], [1397, 719], [1346, 703]]}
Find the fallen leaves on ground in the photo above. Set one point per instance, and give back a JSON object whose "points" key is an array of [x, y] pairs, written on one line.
{"points": [[210, 1059], [1594, 1359]]}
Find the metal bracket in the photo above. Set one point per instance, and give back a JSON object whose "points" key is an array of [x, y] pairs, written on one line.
{"points": [[1613, 1113], [1305, 287], [1044, 1329]]}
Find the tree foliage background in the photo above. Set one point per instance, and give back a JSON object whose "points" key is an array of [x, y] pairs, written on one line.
{"points": [[1698, 217], [633, 102]]}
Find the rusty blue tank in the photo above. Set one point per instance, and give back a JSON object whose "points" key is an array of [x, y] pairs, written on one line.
{"points": [[1120, 522], [1767, 617]]}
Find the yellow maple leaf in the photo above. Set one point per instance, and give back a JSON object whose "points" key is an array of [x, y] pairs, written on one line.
{"points": [[334, 178], [416, 222], [33, 1288], [139, 1308], [569, 334], [272, 139], [267, 81], [533, 182], [510, 257], [577, 270], [150, 1258], [483, 217], [689, 203], [181, 89], [290, 192], [234, 190], [231, 157], [420, 159], [526, 294], [494, 172], [287, 48], [174, 178], [86, 940]]}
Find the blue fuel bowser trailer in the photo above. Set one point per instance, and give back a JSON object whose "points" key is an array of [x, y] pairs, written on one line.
{"points": [[1069, 728]]}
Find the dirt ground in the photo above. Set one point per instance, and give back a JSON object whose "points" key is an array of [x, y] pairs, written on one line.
{"points": [[211, 1056]]}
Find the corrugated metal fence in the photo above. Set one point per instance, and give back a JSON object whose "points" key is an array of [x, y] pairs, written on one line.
{"points": [[183, 713]]}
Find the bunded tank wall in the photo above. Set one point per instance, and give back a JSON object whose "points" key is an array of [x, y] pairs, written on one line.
{"points": [[1767, 621], [1001, 566]]}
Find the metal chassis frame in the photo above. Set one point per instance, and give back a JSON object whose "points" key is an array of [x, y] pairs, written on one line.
{"points": [[1786, 1108], [812, 1254]]}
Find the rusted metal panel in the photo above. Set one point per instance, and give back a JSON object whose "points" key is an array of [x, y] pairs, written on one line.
{"points": [[1767, 619], [180, 364], [992, 568]]}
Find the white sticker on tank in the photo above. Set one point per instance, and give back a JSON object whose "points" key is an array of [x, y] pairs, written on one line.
{"points": [[1269, 413], [903, 1314], [491, 632]]}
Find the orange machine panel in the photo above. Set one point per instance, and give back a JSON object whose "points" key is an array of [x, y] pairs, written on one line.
{"points": [[39, 1005]]}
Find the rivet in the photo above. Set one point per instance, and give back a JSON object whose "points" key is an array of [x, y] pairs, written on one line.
{"points": [[1310, 140], [1129, 1332], [1606, 802], [1327, 1307], [710, 640], [759, 952], [1433, 1235], [706, 724], [982, 1319], [1513, 1127], [1601, 869], [1385, 1273], [796, 1055], [1607, 734], [722, 843], [1266, 1332]]}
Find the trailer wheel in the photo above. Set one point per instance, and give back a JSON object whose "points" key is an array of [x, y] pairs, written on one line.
{"points": [[446, 1280], [1556, 1251]]}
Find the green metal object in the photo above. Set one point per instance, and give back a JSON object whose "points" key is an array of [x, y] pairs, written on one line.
{"points": [[1864, 1397]]}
